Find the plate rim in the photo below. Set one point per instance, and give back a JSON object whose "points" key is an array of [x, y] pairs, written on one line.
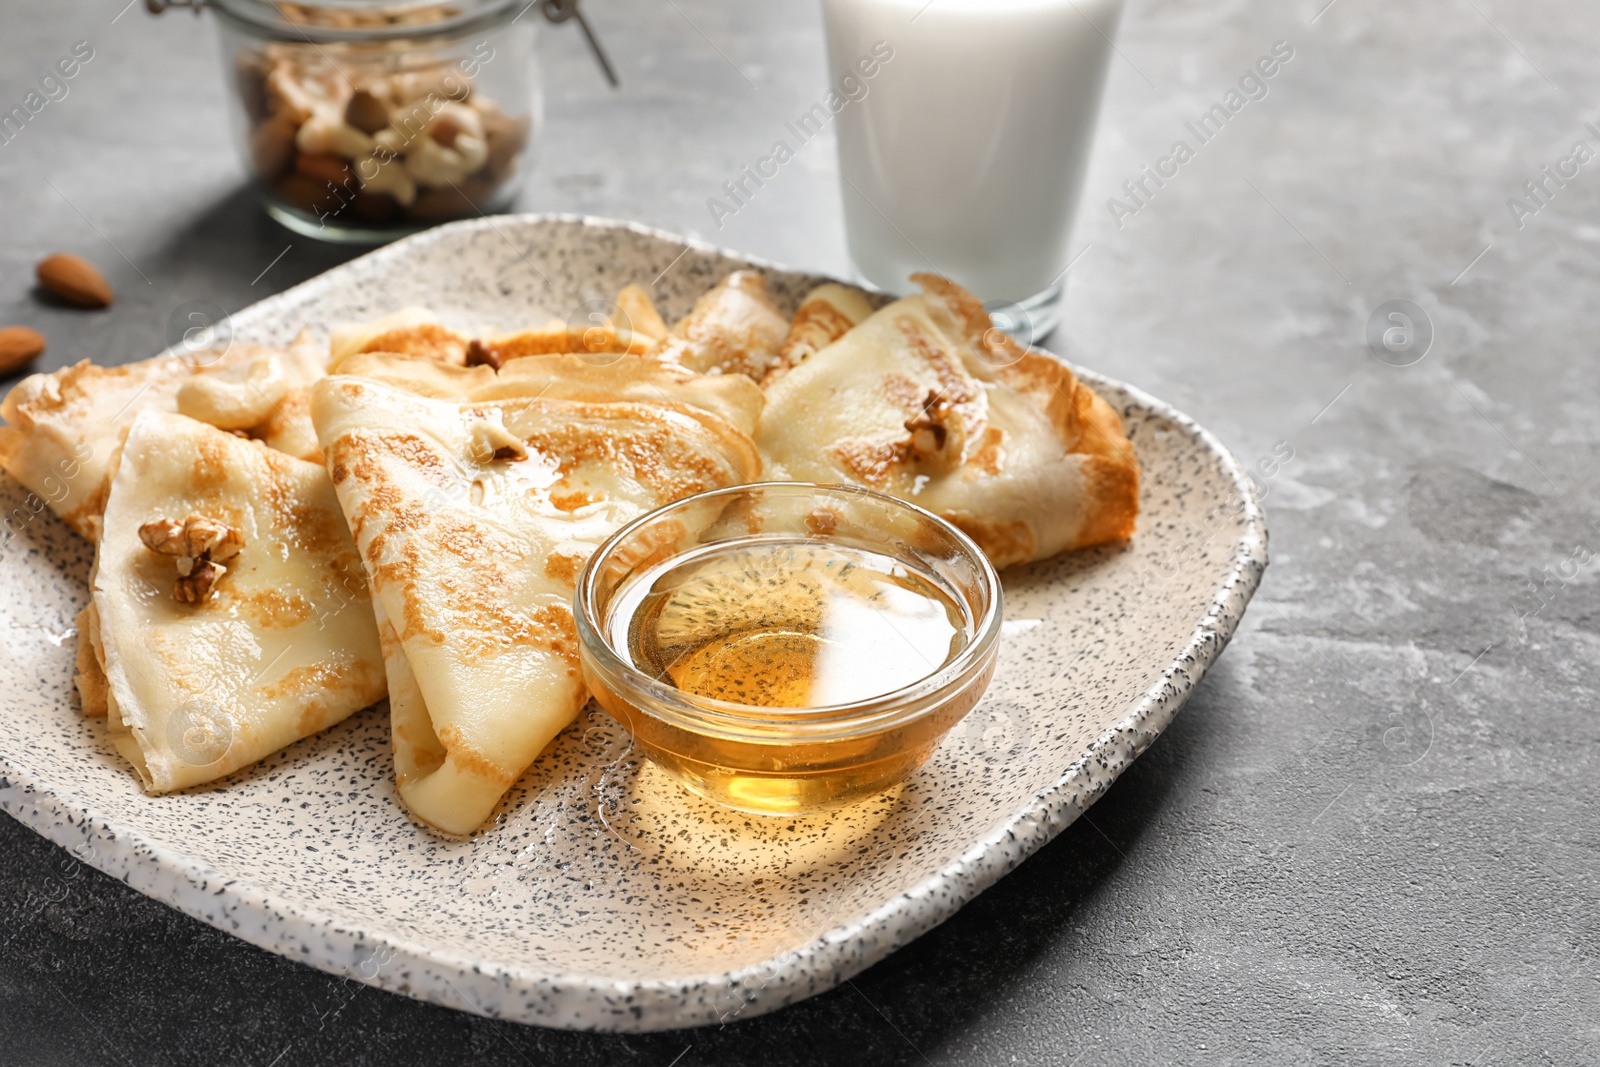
{"points": [[189, 884]]}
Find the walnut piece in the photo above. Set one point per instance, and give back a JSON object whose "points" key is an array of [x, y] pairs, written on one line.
{"points": [[937, 436], [198, 546], [481, 355], [197, 584]]}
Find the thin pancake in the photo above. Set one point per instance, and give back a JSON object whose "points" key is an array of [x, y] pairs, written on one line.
{"points": [[65, 427], [284, 645], [89, 677], [733, 329], [826, 314], [637, 313], [409, 331], [556, 337], [733, 398], [474, 514], [927, 400]]}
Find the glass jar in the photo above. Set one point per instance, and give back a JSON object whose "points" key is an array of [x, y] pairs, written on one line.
{"points": [[360, 120]]}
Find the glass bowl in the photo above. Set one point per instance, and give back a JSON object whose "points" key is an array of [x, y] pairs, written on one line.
{"points": [[363, 120], [895, 612]]}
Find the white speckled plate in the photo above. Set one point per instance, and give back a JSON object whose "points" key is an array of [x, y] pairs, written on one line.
{"points": [[604, 897]]}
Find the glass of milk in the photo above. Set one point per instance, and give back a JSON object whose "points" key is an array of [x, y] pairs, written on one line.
{"points": [[963, 152]]}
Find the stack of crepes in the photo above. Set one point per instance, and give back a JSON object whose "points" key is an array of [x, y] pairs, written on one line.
{"points": [[286, 536]]}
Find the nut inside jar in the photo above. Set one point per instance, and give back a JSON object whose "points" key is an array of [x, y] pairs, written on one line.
{"points": [[375, 135]]}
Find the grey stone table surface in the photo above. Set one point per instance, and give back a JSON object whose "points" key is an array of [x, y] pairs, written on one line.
{"points": [[1372, 835]]}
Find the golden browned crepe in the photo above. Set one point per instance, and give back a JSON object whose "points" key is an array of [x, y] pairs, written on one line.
{"points": [[637, 313], [556, 337], [927, 400], [88, 676], [409, 331], [631, 326], [733, 329], [64, 428], [826, 314], [417, 332], [279, 643], [733, 398], [475, 498]]}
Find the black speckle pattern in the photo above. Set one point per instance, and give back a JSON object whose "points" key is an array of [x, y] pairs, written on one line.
{"points": [[602, 896]]}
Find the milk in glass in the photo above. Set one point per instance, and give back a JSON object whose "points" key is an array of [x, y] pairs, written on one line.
{"points": [[967, 155]]}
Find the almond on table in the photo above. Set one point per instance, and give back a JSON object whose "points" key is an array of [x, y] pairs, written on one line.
{"points": [[73, 279], [18, 346]]}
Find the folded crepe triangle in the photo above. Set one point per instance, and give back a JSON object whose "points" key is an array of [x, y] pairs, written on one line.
{"points": [[64, 428], [475, 499], [734, 328], [927, 400], [206, 660]]}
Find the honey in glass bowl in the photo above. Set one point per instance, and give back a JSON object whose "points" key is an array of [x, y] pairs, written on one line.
{"points": [[787, 648]]}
